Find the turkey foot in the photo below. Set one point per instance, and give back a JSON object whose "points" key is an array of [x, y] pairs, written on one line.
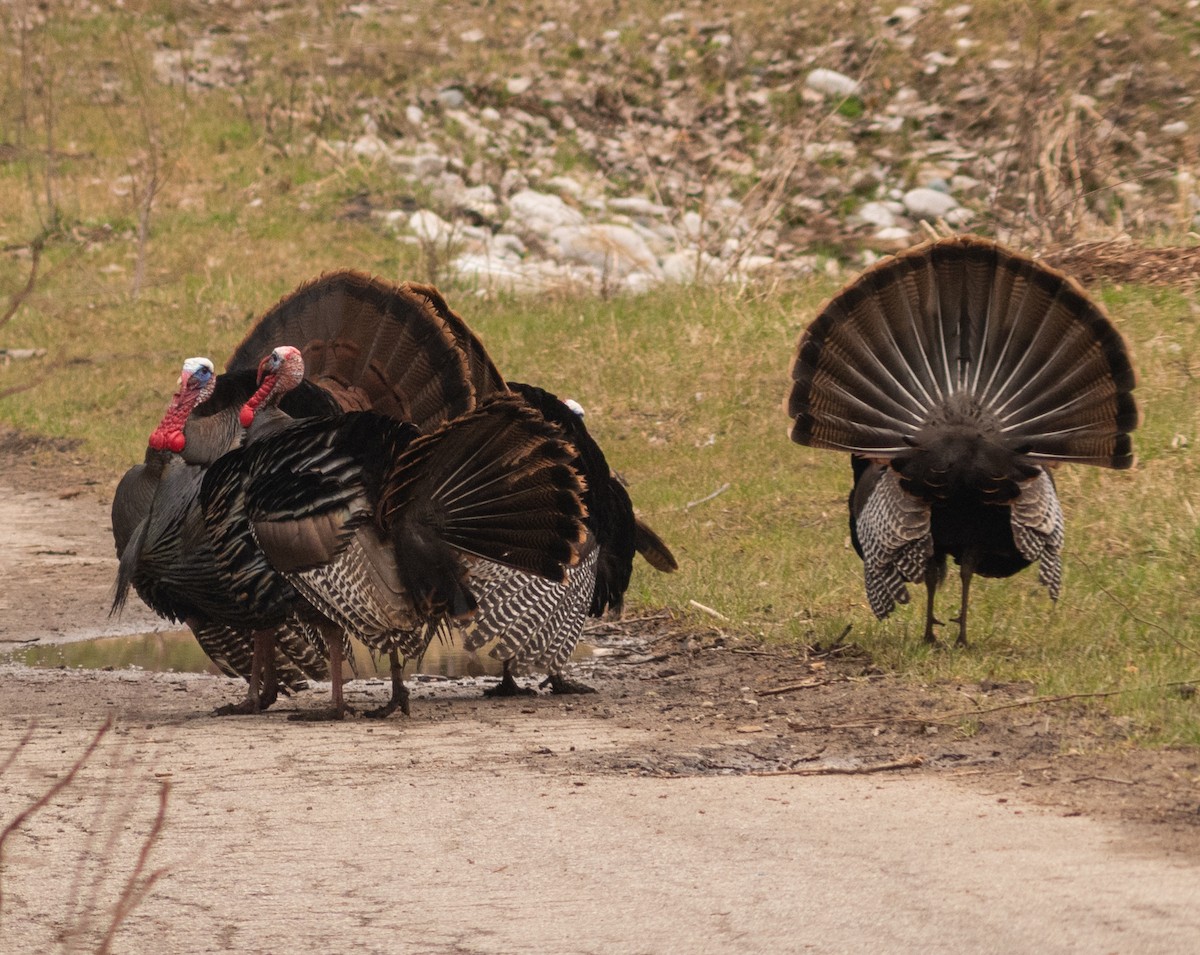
{"points": [[560, 685], [508, 687], [399, 698]]}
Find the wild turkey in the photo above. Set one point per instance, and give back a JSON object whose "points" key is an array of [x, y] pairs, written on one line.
{"points": [[380, 527], [162, 545], [530, 622], [549, 618], [957, 374], [369, 344]]}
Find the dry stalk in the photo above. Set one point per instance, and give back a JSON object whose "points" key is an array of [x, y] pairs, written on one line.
{"points": [[44, 799], [905, 762]]}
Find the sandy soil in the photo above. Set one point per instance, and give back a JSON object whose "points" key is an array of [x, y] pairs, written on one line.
{"points": [[664, 813]]}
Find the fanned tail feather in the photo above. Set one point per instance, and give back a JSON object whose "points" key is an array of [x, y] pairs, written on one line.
{"points": [[964, 322], [372, 345], [494, 484]]}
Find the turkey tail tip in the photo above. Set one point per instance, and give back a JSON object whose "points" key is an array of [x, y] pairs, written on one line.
{"points": [[652, 547]]}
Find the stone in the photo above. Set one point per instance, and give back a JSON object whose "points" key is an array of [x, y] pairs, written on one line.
{"points": [[925, 203], [612, 249], [689, 266], [876, 214], [831, 83], [428, 226], [541, 213]]}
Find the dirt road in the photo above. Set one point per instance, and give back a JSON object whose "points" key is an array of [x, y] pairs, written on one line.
{"points": [[646, 818]]}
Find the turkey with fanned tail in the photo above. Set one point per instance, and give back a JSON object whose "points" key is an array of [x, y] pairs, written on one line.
{"points": [[527, 621], [380, 528], [549, 619], [957, 374], [370, 344]]}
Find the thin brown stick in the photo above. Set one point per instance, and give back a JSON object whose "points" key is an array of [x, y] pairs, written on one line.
{"points": [[793, 687], [133, 891], [905, 762], [42, 801], [16, 750], [1133, 616], [15, 300]]}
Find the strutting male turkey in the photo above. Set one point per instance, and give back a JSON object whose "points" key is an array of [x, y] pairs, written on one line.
{"points": [[381, 529], [528, 621], [957, 374], [552, 618], [367, 344]]}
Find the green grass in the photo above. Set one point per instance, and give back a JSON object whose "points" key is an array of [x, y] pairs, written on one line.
{"points": [[683, 388]]}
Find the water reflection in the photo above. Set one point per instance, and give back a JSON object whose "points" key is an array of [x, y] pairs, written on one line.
{"points": [[178, 652]]}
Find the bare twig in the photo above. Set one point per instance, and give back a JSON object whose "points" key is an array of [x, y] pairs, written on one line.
{"points": [[15, 300], [44, 799], [793, 687], [16, 750], [708, 610], [136, 886], [905, 762], [708, 497]]}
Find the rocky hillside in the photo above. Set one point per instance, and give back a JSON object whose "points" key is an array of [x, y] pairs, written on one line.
{"points": [[616, 146]]}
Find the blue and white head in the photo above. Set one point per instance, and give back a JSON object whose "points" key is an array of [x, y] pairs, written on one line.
{"points": [[574, 406]]}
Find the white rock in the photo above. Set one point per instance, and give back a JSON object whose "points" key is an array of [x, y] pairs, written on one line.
{"points": [[566, 185], [370, 147], [692, 225], [894, 234], [428, 226], [414, 114], [638, 206], [451, 98], [903, 16], [472, 36], [877, 214], [689, 266], [518, 85], [613, 249], [929, 203], [1175, 130], [428, 166], [830, 82], [480, 200], [540, 212]]}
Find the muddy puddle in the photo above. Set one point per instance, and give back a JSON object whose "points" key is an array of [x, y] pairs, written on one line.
{"points": [[177, 652]]}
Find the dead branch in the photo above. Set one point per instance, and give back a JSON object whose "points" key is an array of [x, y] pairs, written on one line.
{"points": [[136, 886], [16, 750], [44, 799], [905, 762], [15, 300], [793, 687]]}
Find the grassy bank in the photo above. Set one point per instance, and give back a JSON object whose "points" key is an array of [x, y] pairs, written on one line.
{"points": [[682, 387]]}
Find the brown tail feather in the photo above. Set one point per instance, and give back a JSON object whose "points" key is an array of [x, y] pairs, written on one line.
{"points": [[494, 484], [485, 377], [964, 323], [372, 345], [653, 548]]}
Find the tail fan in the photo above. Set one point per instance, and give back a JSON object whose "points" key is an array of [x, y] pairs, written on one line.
{"points": [[485, 376], [964, 330], [532, 621], [370, 344], [493, 484]]}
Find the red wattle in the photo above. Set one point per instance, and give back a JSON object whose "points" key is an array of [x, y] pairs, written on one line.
{"points": [[246, 416], [156, 441], [177, 441]]}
